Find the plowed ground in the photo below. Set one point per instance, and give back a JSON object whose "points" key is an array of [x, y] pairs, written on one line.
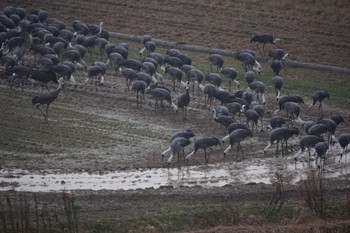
{"points": [[104, 130]]}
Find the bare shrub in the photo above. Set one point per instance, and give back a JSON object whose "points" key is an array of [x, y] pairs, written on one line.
{"points": [[278, 197], [313, 193]]}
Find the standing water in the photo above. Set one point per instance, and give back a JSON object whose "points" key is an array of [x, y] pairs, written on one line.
{"points": [[216, 175]]}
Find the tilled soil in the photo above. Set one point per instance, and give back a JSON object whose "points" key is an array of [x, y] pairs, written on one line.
{"points": [[104, 130]]}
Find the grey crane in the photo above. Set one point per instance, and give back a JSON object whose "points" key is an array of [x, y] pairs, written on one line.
{"points": [[338, 119], [175, 73], [73, 67], [176, 146], [150, 47], [281, 135], [101, 44], [21, 72], [248, 61], [116, 59], [252, 117], [139, 86], [94, 29], [277, 82], [132, 64], [247, 96], [319, 96], [222, 110], [188, 133], [216, 60], [307, 141], [173, 52], [183, 101], [129, 75], [278, 54], [234, 108], [307, 125], [264, 39], [288, 98], [151, 60], [332, 126], [186, 60], [222, 120], [173, 61], [260, 109], [89, 42], [157, 85], [195, 76], [80, 28], [204, 144], [93, 73], [14, 42], [76, 54], [148, 67], [230, 74], [321, 149], [222, 96], [344, 140], [146, 77], [63, 70], [214, 78], [59, 47], [250, 76], [259, 88], [186, 69], [209, 91], [232, 127], [47, 99], [160, 94], [110, 48], [145, 39], [251, 52], [276, 67], [293, 111], [276, 122], [236, 137], [232, 99], [158, 57], [44, 77]]}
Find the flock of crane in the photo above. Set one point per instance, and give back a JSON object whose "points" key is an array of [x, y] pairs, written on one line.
{"points": [[59, 51]]}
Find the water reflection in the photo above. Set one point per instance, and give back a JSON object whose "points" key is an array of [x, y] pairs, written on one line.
{"points": [[215, 175]]}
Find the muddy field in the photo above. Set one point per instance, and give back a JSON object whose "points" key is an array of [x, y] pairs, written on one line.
{"points": [[99, 143]]}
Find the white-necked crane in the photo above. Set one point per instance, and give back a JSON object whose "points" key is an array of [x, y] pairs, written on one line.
{"points": [[281, 135], [230, 74], [139, 86], [183, 101], [176, 146], [278, 54], [264, 39], [319, 96], [47, 99], [344, 140], [277, 82], [308, 141], [204, 144], [236, 137], [216, 60]]}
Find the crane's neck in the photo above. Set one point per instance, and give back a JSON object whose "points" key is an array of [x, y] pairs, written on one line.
{"points": [[100, 28]]}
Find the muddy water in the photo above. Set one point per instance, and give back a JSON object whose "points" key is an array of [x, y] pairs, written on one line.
{"points": [[229, 173]]}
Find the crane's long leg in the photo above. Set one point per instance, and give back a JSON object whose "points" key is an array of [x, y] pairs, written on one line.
{"points": [[47, 113], [257, 45], [207, 157], [41, 111]]}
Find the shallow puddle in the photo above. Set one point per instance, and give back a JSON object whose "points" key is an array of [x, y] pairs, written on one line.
{"points": [[229, 173]]}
